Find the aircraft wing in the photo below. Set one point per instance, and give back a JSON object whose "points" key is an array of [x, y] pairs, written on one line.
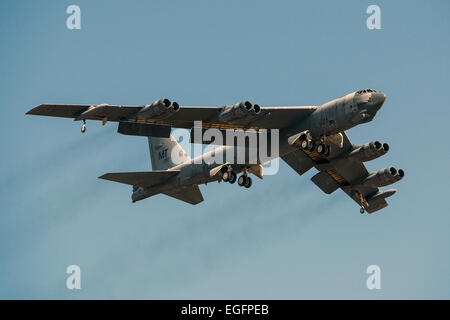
{"points": [[111, 112], [268, 118], [337, 172]]}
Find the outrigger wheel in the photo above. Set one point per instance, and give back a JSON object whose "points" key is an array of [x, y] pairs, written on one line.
{"points": [[363, 201]]}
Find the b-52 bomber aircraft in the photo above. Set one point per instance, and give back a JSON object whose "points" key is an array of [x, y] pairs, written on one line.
{"points": [[309, 136]]}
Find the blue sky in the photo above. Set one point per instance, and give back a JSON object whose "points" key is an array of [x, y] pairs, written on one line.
{"points": [[283, 238]]}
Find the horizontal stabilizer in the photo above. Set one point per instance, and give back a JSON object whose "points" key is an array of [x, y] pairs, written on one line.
{"points": [[189, 194], [141, 179]]}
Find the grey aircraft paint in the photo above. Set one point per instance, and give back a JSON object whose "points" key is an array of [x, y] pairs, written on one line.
{"points": [[312, 136]]}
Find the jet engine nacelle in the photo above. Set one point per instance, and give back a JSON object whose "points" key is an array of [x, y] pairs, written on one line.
{"points": [[159, 109], [383, 177], [244, 109], [368, 151]]}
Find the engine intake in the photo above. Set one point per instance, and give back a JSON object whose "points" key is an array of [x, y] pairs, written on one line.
{"points": [[243, 110], [368, 151], [160, 109], [383, 177]]}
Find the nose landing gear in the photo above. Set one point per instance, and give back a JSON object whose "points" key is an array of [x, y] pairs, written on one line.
{"points": [[83, 127], [308, 144], [323, 149]]}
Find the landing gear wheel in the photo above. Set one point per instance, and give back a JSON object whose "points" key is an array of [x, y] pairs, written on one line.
{"points": [[225, 176], [248, 182], [327, 151], [304, 144], [232, 177], [362, 210], [241, 180], [321, 149], [83, 128], [311, 146]]}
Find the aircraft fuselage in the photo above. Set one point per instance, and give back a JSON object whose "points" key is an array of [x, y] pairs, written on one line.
{"points": [[328, 119]]}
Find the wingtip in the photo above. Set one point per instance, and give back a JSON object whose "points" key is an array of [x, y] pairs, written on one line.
{"points": [[103, 176], [33, 110]]}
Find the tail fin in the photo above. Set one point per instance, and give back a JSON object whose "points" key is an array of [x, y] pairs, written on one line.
{"points": [[166, 153]]}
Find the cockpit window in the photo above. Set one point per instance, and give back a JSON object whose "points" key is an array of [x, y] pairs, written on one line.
{"points": [[365, 91]]}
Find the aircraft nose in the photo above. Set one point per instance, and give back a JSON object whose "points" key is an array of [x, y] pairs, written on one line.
{"points": [[378, 99]]}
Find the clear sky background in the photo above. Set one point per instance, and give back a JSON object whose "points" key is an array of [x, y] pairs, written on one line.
{"points": [[283, 238]]}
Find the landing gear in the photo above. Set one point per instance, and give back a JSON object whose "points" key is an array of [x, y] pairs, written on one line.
{"points": [[241, 181], [323, 149], [232, 177], [248, 182], [308, 145], [304, 144], [245, 181], [229, 176], [83, 127], [363, 202]]}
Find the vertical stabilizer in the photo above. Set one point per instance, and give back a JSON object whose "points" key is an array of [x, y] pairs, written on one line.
{"points": [[166, 153]]}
